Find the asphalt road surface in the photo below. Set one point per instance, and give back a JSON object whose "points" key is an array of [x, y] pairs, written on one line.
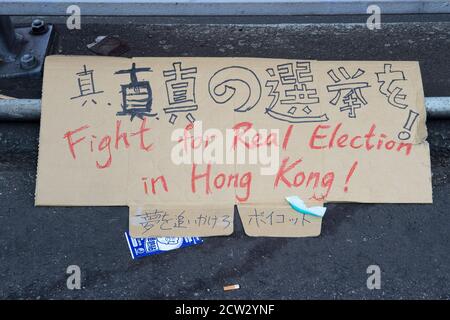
{"points": [[410, 243]]}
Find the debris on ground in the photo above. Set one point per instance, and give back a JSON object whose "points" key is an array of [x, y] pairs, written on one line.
{"points": [[141, 247], [231, 287], [110, 45]]}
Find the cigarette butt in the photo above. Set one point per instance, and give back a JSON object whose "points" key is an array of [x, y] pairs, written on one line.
{"points": [[231, 287]]}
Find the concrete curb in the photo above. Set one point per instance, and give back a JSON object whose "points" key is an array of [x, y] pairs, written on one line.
{"points": [[221, 7]]}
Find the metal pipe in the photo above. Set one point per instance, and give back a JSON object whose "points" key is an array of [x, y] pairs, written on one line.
{"points": [[20, 109], [30, 109], [438, 107]]}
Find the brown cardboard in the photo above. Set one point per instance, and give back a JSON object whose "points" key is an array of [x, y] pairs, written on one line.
{"points": [[278, 221], [347, 131], [62, 179], [187, 221]]}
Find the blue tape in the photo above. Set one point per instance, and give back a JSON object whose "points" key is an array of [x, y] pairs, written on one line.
{"points": [[298, 205]]}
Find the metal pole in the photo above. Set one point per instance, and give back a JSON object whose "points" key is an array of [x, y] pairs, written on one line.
{"points": [[9, 40], [30, 109]]}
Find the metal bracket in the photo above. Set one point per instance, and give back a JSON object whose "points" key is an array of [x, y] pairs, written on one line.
{"points": [[23, 50]]}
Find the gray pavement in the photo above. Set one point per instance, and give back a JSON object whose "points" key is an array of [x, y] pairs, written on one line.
{"points": [[410, 243]]}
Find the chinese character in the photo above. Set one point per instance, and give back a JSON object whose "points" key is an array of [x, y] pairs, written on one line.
{"points": [[180, 221], [149, 219], [258, 217], [86, 85], [180, 87], [348, 92], [292, 100], [136, 95], [151, 245], [387, 87], [152, 218]]}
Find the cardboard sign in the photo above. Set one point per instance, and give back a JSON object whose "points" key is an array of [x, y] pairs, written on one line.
{"points": [[184, 139], [279, 221], [182, 221]]}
